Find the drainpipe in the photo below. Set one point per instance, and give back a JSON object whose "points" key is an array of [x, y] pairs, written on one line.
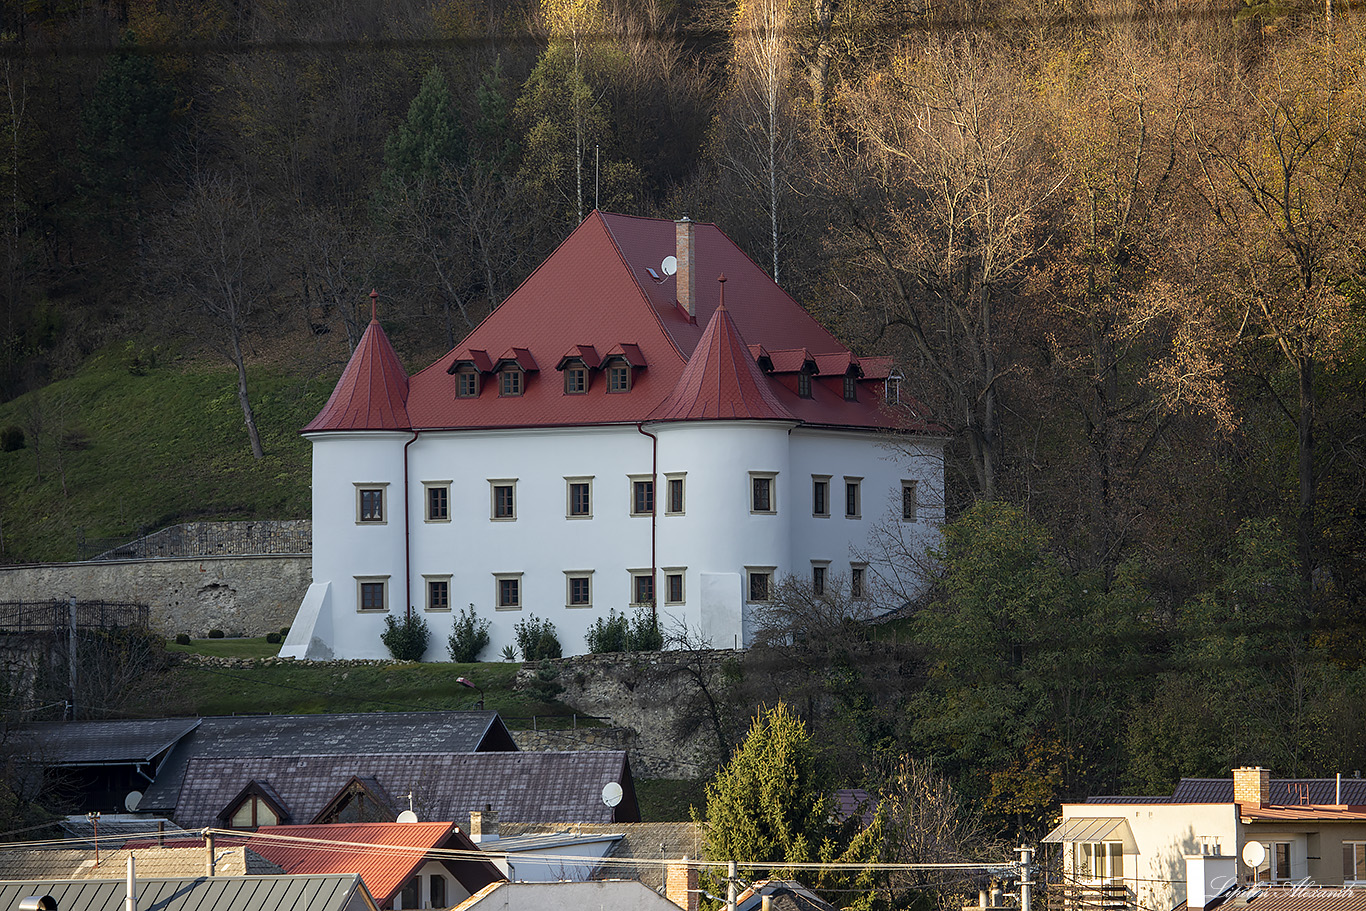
{"points": [[407, 536], [654, 518]]}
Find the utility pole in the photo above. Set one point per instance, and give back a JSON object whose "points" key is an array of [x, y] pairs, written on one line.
{"points": [[731, 876], [71, 652], [1026, 876]]}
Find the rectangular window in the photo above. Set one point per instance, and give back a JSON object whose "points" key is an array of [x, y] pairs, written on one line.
{"points": [[579, 584], [1100, 861], [508, 590], [1280, 862], [762, 493], [760, 584], [467, 383], [818, 574], [908, 501], [503, 499], [642, 497], [820, 495], [673, 586], [850, 389], [804, 385], [580, 494], [372, 593], [1354, 862], [674, 491], [858, 574], [510, 382], [642, 587], [438, 501], [852, 505], [370, 503], [438, 593], [619, 378], [575, 380]]}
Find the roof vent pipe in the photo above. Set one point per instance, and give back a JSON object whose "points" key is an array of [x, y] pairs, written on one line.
{"points": [[685, 252], [130, 902]]}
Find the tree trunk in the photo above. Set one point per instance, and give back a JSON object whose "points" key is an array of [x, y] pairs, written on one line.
{"points": [[247, 417], [1308, 407]]}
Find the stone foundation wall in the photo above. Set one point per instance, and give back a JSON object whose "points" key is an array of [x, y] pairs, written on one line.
{"points": [[241, 595]]}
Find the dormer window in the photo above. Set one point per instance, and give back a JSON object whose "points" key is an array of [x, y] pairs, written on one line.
{"points": [[804, 385], [575, 380], [510, 381], [894, 388], [467, 383], [619, 377], [850, 389]]}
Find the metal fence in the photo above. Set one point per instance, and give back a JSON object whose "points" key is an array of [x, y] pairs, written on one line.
{"points": [[204, 539], [58, 616]]}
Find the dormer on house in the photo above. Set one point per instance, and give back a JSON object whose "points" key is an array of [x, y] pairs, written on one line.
{"points": [[648, 423]]}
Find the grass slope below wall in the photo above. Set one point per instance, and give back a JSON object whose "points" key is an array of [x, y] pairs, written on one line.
{"points": [[150, 447]]}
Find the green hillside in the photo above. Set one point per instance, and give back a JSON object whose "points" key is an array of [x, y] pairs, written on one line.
{"points": [[119, 448]]}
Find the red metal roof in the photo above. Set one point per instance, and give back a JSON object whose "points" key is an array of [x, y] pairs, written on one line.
{"points": [[596, 293], [372, 393], [1316, 812], [722, 381]]}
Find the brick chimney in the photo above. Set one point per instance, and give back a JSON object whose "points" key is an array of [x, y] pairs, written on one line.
{"points": [[1252, 786], [680, 885], [484, 824], [686, 276]]}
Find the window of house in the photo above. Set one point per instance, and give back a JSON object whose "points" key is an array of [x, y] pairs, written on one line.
{"points": [[893, 388], [642, 496], [370, 503], [1277, 862], [372, 593], [908, 501], [763, 492], [820, 495], [673, 585], [673, 506], [858, 577], [410, 895], [510, 381], [253, 813], [438, 593], [508, 591], [503, 494], [642, 587], [438, 500], [850, 389], [619, 378], [1099, 861], [819, 572], [436, 897], [467, 383], [578, 588], [580, 498], [760, 583], [575, 380], [852, 504], [1354, 862]]}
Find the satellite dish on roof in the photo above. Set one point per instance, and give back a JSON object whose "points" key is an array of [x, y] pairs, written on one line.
{"points": [[407, 816], [669, 266], [611, 793], [1254, 854], [130, 803]]}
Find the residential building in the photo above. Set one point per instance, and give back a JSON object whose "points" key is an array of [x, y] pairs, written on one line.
{"points": [[205, 893], [610, 895], [648, 423]]}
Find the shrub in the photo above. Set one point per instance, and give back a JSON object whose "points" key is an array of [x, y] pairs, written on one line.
{"points": [[215, 634], [536, 638], [644, 634], [608, 635], [405, 639], [274, 638], [284, 632], [182, 638], [11, 438], [509, 653], [469, 637], [545, 686]]}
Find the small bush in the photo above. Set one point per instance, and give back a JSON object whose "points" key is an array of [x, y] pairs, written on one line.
{"points": [[274, 638], [536, 638], [509, 653], [469, 637], [545, 686], [182, 638], [284, 632], [644, 634], [11, 438], [405, 639], [608, 635], [215, 634]]}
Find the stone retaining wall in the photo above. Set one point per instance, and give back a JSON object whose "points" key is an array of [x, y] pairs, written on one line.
{"points": [[241, 595]]}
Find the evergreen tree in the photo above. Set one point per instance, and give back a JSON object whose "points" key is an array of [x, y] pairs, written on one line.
{"points": [[429, 144]]}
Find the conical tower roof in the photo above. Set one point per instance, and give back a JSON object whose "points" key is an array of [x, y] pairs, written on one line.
{"points": [[721, 380], [372, 393]]}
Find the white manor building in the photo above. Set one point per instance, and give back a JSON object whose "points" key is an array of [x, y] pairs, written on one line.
{"points": [[648, 421]]}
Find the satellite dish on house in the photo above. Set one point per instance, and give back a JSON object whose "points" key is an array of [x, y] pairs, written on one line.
{"points": [[407, 816], [669, 266], [611, 793], [130, 803], [1254, 854]]}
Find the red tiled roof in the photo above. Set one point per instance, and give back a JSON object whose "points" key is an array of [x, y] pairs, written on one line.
{"points": [[790, 360], [596, 290], [1319, 812], [372, 393], [722, 381]]}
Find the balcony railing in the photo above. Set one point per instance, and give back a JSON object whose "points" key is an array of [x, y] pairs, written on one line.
{"points": [[1089, 897]]}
